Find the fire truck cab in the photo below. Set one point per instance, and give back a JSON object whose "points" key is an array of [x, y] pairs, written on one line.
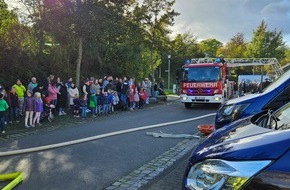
{"points": [[206, 81], [203, 81]]}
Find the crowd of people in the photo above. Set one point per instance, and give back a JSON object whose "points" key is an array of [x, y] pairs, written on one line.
{"points": [[94, 97], [249, 86]]}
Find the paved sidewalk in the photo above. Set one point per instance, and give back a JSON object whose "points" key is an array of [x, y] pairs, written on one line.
{"points": [[170, 179], [161, 165]]}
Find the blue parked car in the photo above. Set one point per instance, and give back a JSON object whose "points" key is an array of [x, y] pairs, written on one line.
{"points": [[252, 154], [275, 95]]}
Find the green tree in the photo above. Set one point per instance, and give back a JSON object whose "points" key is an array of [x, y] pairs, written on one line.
{"points": [[210, 46], [266, 44], [8, 19], [236, 47], [286, 60], [154, 17], [88, 33], [184, 47], [15, 55]]}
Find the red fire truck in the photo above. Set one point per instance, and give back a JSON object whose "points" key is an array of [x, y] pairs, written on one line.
{"points": [[205, 81]]}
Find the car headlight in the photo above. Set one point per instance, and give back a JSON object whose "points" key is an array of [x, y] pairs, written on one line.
{"points": [[220, 174], [232, 112]]}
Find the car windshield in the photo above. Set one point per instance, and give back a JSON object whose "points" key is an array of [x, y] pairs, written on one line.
{"points": [[201, 74], [279, 120], [278, 82], [282, 118]]}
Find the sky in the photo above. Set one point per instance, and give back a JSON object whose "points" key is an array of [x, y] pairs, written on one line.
{"points": [[223, 19]]}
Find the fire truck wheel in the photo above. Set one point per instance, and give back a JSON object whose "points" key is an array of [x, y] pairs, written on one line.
{"points": [[187, 105]]}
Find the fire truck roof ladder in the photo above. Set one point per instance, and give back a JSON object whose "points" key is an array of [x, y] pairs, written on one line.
{"points": [[236, 62]]}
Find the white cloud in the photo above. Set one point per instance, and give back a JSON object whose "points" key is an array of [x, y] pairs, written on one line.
{"points": [[222, 19]]}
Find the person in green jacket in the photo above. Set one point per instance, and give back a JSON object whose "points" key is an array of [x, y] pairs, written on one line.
{"points": [[20, 91], [3, 108]]}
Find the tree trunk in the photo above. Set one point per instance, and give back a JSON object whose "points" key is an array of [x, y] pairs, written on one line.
{"points": [[100, 61], [152, 65], [79, 61]]}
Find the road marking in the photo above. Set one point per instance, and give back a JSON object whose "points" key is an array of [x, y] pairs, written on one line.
{"points": [[68, 143]]}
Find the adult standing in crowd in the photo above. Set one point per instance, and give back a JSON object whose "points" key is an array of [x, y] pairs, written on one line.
{"points": [[58, 82], [68, 83], [41, 90], [155, 89], [119, 87], [86, 90], [110, 85], [13, 102], [20, 91], [222, 60], [61, 99], [52, 92], [68, 86], [124, 92], [48, 81], [101, 84], [95, 86], [161, 84], [92, 80], [132, 83], [147, 86], [73, 94], [32, 84], [265, 83], [105, 82]]}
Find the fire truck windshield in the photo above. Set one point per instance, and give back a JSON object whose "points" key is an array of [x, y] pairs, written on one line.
{"points": [[201, 74]]}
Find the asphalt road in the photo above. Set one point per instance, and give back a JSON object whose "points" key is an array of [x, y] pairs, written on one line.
{"points": [[99, 163]]}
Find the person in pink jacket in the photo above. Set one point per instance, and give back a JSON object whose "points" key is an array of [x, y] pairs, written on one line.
{"points": [[131, 98], [136, 99], [52, 92]]}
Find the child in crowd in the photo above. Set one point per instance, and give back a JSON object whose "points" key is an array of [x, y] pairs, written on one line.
{"points": [[76, 102], [28, 108], [136, 99], [115, 101], [98, 102], [3, 91], [105, 101], [73, 94], [13, 103], [110, 100], [93, 103], [38, 108], [3, 108], [131, 99], [84, 105], [143, 97]]}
